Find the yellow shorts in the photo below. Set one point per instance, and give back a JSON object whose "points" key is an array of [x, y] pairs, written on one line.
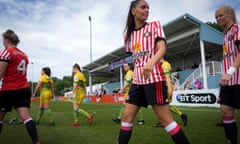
{"points": [[78, 97], [45, 96], [125, 96]]}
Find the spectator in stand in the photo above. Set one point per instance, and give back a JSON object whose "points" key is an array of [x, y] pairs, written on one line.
{"points": [[100, 93], [178, 69], [198, 84], [195, 65], [209, 56], [188, 85]]}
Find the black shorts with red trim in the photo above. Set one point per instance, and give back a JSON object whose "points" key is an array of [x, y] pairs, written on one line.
{"points": [[149, 94], [230, 96], [14, 98]]}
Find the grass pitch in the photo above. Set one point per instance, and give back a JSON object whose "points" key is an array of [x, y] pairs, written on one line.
{"points": [[201, 128]]}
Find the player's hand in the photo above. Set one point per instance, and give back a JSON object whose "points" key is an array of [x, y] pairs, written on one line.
{"points": [[225, 79], [121, 91], [147, 70]]}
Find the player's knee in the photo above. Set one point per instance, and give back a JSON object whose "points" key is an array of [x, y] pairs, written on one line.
{"points": [[226, 113], [127, 118]]}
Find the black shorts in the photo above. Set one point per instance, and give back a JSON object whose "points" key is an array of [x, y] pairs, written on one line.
{"points": [[149, 94], [230, 96], [15, 98]]}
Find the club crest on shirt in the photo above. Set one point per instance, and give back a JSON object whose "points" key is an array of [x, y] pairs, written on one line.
{"points": [[147, 34], [137, 47]]}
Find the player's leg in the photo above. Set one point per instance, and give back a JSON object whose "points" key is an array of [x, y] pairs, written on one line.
{"points": [[49, 114], [2, 115], [47, 108], [41, 108], [238, 111], [76, 103], [129, 115], [157, 96], [5, 106], [229, 123], [175, 110], [140, 117], [29, 123], [173, 129], [228, 102], [132, 106], [121, 112], [84, 112], [40, 113], [118, 119], [22, 104], [75, 114]]}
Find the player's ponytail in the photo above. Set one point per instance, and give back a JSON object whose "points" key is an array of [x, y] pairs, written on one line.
{"points": [[130, 24], [231, 11]]}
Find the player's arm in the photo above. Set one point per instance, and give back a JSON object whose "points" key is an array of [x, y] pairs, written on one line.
{"points": [[226, 77], [85, 89], [39, 84], [236, 63], [127, 83], [3, 68], [169, 84], [52, 90], [75, 85], [161, 46]]}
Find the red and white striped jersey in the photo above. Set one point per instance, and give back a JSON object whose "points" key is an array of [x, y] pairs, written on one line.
{"points": [[231, 51], [142, 45]]}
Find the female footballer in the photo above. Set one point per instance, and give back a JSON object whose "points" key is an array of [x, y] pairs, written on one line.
{"points": [[15, 91], [79, 93], [46, 93], [147, 43], [230, 80]]}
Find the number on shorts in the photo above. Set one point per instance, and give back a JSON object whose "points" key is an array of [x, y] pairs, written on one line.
{"points": [[22, 67]]}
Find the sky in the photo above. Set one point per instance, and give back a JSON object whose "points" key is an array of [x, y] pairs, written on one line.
{"points": [[56, 33]]}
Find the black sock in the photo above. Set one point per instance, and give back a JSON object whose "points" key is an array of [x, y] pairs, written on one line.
{"points": [[180, 138], [32, 131], [231, 132], [124, 136], [176, 133], [0, 127]]}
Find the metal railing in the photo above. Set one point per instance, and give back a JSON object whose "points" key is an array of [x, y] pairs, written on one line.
{"points": [[197, 73], [212, 67]]}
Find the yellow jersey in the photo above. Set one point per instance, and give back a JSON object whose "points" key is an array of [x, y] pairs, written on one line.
{"points": [[128, 79], [46, 82], [167, 69], [79, 80]]}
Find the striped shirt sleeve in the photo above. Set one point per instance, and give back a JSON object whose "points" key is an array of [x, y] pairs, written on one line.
{"points": [[127, 44], [237, 34], [4, 55], [158, 32]]}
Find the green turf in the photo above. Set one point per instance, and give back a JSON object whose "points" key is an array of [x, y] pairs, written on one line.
{"points": [[202, 127]]}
